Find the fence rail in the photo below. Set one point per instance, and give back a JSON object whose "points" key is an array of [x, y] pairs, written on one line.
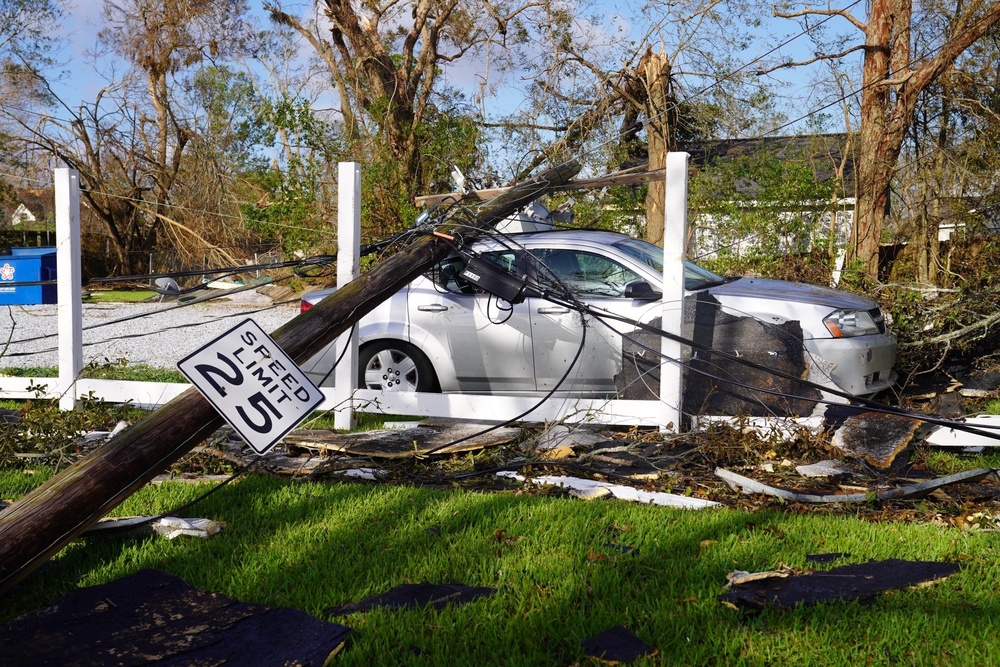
{"points": [[469, 406], [344, 401]]}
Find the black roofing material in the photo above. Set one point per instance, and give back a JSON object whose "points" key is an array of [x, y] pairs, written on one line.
{"points": [[822, 559], [777, 347], [874, 436], [415, 595], [9, 416], [822, 152], [849, 582], [617, 645], [154, 617]]}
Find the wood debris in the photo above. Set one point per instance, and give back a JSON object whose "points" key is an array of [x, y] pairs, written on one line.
{"points": [[403, 443], [908, 492]]}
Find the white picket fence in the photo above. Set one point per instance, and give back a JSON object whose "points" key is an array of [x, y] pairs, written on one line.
{"points": [[69, 387]]}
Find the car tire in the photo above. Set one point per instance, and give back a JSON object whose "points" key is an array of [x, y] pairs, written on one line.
{"points": [[391, 365]]}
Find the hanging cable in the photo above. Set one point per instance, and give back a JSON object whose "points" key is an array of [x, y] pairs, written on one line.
{"points": [[868, 403]]}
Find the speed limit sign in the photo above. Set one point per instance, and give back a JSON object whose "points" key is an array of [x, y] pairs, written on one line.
{"points": [[253, 384]]}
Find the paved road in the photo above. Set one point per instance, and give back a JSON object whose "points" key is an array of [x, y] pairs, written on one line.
{"points": [[158, 334]]}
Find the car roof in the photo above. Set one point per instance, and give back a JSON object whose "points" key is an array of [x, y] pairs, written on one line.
{"points": [[601, 236]]}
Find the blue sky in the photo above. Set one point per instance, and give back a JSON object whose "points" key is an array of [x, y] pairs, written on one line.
{"points": [[82, 24]]}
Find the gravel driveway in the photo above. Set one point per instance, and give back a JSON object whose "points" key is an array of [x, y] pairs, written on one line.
{"points": [[158, 334]]}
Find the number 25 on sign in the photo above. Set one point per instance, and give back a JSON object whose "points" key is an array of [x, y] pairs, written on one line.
{"points": [[253, 384]]}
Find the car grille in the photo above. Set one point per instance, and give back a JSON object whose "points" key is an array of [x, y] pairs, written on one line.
{"points": [[879, 319]]}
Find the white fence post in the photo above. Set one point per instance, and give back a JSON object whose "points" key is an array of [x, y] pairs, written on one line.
{"points": [[68, 279], [348, 268], [674, 251]]}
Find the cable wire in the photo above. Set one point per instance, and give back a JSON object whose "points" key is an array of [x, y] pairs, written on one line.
{"points": [[870, 404]]}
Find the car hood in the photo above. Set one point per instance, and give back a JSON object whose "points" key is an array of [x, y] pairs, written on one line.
{"points": [[782, 290]]}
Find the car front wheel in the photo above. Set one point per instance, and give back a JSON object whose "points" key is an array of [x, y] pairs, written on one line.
{"points": [[395, 366]]}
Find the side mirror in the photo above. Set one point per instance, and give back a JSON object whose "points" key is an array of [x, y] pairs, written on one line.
{"points": [[642, 291]]}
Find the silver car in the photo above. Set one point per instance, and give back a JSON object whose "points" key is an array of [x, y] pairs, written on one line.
{"points": [[441, 333]]}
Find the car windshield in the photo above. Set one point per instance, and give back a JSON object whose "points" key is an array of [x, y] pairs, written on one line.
{"points": [[695, 277]]}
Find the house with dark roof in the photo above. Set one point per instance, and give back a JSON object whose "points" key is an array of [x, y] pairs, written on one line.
{"points": [[829, 156], [783, 193]]}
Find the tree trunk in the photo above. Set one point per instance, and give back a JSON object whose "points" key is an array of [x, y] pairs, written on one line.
{"points": [[659, 110], [921, 238], [891, 86], [934, 244], [45, 520], [940, 177], [874, 165]]}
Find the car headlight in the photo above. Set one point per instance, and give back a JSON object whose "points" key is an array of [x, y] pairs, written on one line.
{"points": [[848, 323]]}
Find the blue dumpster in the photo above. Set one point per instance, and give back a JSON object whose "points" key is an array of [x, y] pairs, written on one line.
{"points": [[27, 265]]}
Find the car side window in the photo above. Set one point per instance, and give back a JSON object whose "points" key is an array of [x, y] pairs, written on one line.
{"points": [[446, 276], [585, 273], [506, 259]]}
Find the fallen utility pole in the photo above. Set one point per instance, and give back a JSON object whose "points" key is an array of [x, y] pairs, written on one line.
{"points": [[35, 527]]}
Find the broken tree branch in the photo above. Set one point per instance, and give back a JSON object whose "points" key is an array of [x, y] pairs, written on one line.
{"points": [[860, 25], [747, 485], [819, 57], [626, 177], [983, 324]]}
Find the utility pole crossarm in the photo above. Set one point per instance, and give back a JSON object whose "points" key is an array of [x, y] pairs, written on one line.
{"points": [[626, 177]]}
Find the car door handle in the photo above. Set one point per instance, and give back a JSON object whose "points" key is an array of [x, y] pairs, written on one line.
{"points": [[553, 310], [432, 308]]}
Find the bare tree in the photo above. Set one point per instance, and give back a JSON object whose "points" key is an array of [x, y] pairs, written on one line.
{"points": [[130, 144], [28, 35], [946, 182], [385, 61], [162, 39], [28, 30]]}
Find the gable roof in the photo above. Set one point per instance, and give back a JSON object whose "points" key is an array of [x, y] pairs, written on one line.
{"points": [[21, 214]]}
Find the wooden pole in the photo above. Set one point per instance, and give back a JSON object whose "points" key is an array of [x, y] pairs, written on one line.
{"points": [[35, 527], [659, 110]]}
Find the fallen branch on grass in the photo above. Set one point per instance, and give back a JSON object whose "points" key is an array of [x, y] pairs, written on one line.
{"points": [[748, 486]]}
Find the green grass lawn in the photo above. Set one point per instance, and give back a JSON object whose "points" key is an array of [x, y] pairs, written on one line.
{"points": [[564, 570], [119, 296], [560, 569], [110, 371]]}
